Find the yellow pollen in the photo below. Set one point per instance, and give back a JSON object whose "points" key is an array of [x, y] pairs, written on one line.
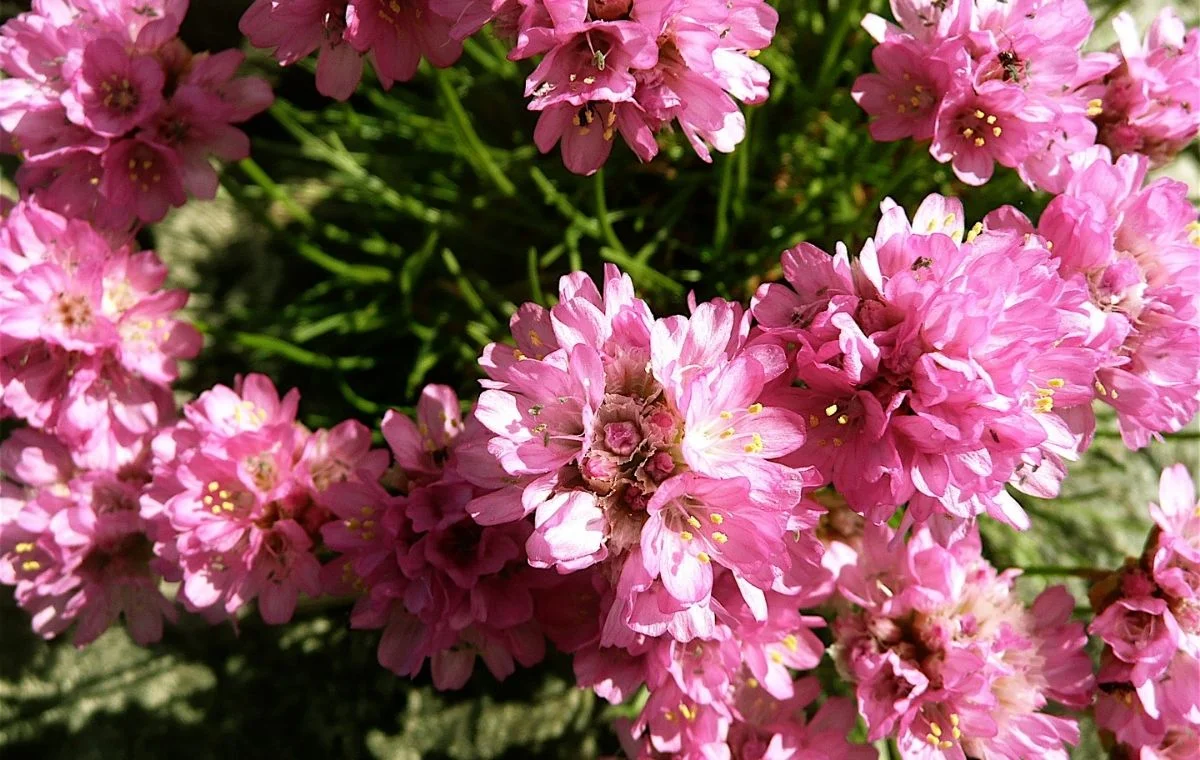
{"points": [[837, 442], [968, 132], [915, 101], [147, 164], [208, 500], [954, 719], [1095, 107], [931, 739], [726, 415], [1056, 382], [133, 163], [813, 420], [980, 142], [752, 683], [956, 733], [687, 712], [1101, 389], [686, 535], [727, 433], [755, 445], [754, 408], [31, 565], [901, 109], [216, 509], [947, 744], [703, 557], [791, 643], [214, 486], [935, 729], [996, 131], [669, 715], [776, 658], [831, 410], [589, 80], [717, 518], [1045, 392], [224, 494], [366, 511], [692, 521], [843, 419], [227, 506], [918, 88], [719, 537], [975, 230], [979, 114], [608, 133], [1113, 393], [24, 547], [1043, 405], [991, 120]]}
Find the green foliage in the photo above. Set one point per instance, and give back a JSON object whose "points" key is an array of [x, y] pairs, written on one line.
{"points": [[374, 246]]}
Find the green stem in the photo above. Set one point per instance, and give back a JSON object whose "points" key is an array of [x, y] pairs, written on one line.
{"points": [[721, 229], [610, 235], [481, 159]]}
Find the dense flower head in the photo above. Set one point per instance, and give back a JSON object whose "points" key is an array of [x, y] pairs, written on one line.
{"points": [[1150, 100], [392, 34], [635, 68], [239, 483], [645, 448], [114, 117], [442, 587], [89, 339], [933, 370], [1148, 617], [73, 544], [1137, 248], [1007, 83], [946, 659]]}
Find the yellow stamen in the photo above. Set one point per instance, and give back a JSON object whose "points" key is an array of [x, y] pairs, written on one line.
{"points": [[720, 537], [692, 521], [686, 535], [703, 557], [755, 445], [831, 410], [717, 518], [791, 642], [754, 408]]}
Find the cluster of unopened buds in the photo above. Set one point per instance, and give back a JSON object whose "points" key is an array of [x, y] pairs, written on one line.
{"points": [[114, 118], [680, 503], [608, 67], [1006, 83]]}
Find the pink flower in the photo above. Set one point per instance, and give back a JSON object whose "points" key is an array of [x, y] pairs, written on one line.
{"points": [[947, 659], [113, 93], [634, 69], [443, 587], [71, 300], [1148, 104], [993, 123], [245, 491], [642, 446], [1133, 246], [76, 549], [911, 385], [905, 94], [113, 116]]}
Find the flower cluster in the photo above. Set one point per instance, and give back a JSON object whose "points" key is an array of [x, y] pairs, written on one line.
{"points": [[443, 587], [1150, 103], [114, 117], [74, 545], [1006, 83], [89, 341], [1137, 248], [933, 370], [393, 35], [607, 67], [239, 484], [1148, 616], [945, 658], [634, 68]]}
